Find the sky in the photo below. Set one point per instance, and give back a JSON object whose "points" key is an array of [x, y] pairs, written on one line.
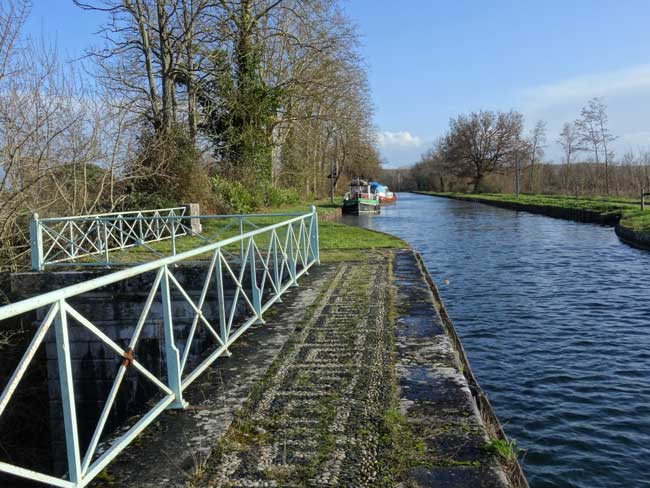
{"points": [[429, 60]]}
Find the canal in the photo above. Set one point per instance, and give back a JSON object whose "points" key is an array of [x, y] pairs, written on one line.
{"points": [[555, 318]]}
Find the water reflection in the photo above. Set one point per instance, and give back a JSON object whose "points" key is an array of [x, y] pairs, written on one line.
{"points": [[555, 318]]}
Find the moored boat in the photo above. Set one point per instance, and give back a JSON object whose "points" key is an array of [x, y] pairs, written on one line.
{"points": [[360, 200], [385, 196]]}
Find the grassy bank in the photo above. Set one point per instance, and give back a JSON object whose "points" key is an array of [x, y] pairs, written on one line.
{"points": [[632, 224], [337, 241]]}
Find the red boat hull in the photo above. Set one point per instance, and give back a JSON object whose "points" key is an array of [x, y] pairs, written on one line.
{"points": [[387, 200]]}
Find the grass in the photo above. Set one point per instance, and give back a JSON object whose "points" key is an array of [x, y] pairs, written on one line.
{"points": [[335, 239], [503, 449], [627, 208], [601, 205]]}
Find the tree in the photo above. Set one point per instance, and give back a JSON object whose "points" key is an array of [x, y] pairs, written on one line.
{"points": [[594, 133], [537, 144], [482, 143], [570, 141]]}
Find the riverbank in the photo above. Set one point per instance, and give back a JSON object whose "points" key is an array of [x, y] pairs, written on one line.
{"points": [[351, 382], [357, 378], [631, 224], [335, 239]]}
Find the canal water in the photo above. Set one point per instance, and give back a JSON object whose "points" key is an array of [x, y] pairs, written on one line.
{"points": [[555, 318]]}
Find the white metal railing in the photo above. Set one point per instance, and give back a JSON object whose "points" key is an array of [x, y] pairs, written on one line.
{"points": [[61, 240], [262, 264]]}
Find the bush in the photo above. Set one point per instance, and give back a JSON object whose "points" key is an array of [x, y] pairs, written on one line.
{"points": [[277, 197], [168, 172], [235, 197]]}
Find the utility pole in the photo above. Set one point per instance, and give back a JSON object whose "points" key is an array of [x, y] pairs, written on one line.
{"points": [[332, 181], [517, 174]]}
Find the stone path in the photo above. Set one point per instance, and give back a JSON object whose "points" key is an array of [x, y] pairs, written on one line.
{"points": [[367, 392], [177, 445], [316, 419], [354, 383]]}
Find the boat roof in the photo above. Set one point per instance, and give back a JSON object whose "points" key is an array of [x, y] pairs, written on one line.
{"points": [[359, 182]]}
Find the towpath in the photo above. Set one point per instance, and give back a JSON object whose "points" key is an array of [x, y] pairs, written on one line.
{"points": [[355, 382]]}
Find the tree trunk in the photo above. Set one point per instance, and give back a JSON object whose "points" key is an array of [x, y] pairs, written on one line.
{"points": [[477, 182], [166, 65]]}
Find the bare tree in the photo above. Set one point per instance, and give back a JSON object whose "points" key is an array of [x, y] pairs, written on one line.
{"points": [[570, 141], [482, 143], [150, 49], [595, 134], [537, 144]]}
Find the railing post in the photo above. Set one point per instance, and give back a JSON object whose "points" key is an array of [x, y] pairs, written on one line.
{"points": [[221, 302], [73, 251], [173, 230], [36, 242], [276, 269], [122, 241], [314, 235], [68, 405], [99, 235], [292, 257], [191, 210], [107, 259], [241, 242], [255, 290], [140, 238], [172, 355]]}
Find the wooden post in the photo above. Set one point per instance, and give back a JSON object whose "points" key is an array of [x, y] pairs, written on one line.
{"points": [[642, 198]]}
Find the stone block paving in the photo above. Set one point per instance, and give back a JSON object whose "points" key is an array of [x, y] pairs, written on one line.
{"points": [[367, 392], [313, 422]]}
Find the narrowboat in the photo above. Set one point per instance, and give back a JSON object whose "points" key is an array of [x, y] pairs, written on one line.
{"points": [[360, 199], [386, 197]]}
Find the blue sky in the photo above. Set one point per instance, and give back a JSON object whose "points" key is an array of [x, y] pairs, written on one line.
{"points": [[431, 60]]}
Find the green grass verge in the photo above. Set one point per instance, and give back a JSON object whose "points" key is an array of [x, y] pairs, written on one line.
{"points": [[631, 216], [337, 241]]}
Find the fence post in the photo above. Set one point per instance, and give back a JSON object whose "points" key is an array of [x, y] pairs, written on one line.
{"points": [[191, 210], [314, 235], [292, 257], [642, 198], [276, 270], [73, 251], [173, 231], [255, 290], [172, 355], [67, 393], [99, 235], [241, 242], [141, 236], [36, 242], [221, 302], [107, 259]]}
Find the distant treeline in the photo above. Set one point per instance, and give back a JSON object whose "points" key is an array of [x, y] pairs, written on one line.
{"points": [[627, 178], [482, 150], [231, 104]]}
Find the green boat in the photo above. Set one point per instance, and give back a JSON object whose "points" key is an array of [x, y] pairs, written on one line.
{"points": [[360, 200]]}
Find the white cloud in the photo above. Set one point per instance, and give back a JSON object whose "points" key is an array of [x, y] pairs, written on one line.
{"points": [[625, 81], [626, 93], [399, 139], [400, 148]]}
